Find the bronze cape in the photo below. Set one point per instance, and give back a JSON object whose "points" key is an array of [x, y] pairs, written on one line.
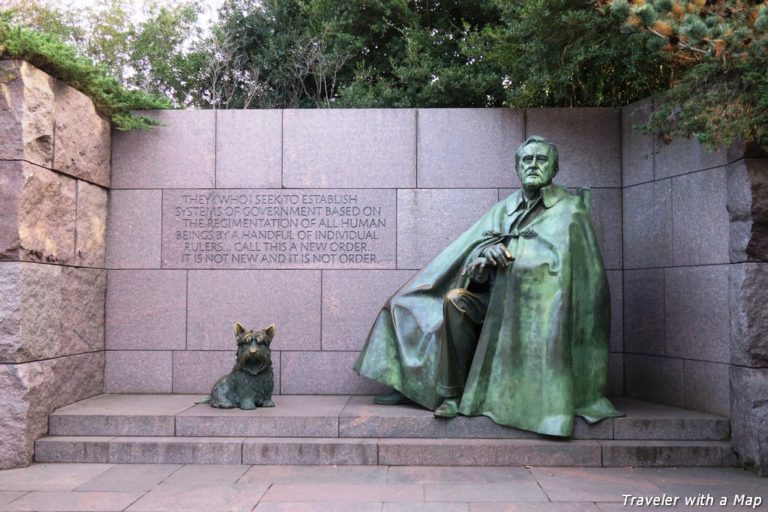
{"points": [[542, 354]]}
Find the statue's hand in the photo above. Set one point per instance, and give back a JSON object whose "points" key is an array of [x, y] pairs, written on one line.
{"points": [[498, 255], [477, 270]]}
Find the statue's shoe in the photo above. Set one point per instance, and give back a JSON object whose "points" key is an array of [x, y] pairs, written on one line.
{"points": [[393, 398], [448, 409]]}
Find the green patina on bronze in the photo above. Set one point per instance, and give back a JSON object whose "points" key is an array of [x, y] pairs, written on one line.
{"points": [[510, 321]]}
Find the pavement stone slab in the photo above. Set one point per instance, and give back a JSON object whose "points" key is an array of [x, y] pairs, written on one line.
{"points": [[49, 477], [592, 484], [9, 496], [229, 497], [716, 481], [338, 493], [39, 501], [426, 507], [202, 475], [533, 507], [518, 491], [130, 477], [318, 507], [326, 474]]}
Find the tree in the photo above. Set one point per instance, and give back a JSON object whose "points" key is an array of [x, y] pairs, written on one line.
{"points": [[158, 48], [721, 47]]}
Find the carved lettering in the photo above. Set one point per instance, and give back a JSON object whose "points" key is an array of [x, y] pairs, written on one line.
{"points": [[278, 229]]}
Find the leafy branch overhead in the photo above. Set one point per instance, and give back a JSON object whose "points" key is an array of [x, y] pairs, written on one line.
{"points": [[721, 49]]}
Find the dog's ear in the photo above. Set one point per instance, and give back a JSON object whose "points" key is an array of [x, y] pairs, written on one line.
{"points": [[270, 332], [239, 329]]}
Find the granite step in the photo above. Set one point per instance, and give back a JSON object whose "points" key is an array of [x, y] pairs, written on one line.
{"points": [[391, 452], [352, 417]]}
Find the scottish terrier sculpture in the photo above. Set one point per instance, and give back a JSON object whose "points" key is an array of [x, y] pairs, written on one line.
{"points": [[250, 383]]}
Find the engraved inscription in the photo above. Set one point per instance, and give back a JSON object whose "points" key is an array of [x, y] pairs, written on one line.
{"points": [[251, 228]]}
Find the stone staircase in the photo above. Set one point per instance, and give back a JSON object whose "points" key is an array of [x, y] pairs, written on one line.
{"points": [[352, 430]]}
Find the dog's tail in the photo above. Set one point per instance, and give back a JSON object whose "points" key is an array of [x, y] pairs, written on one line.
{"points": [[208, 399]]}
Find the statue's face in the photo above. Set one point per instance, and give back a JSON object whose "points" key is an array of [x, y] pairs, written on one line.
{"points": [[536, 167]]}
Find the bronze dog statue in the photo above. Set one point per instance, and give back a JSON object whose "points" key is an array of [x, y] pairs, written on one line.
{"points": [[251, 382]]}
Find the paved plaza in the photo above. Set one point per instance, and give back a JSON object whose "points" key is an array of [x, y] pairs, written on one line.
{"points": [[213, 488]]}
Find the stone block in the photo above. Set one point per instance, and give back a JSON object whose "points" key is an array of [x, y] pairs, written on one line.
{"points": [[196, 371], [748, 209], [31, 391], [616, 285], [293, 416], [326, 474], [82, 136], [351, 301], [696, 314], [591, 485], [72, 449], [175, 450], [146, 310], [131, 477], [749, 417], [589, 156], [748, 315], [656, 379], [138, 371], [319, 373], [310, 451], [646, 421], [133, 230], [178, 154], [91, 225], [707, 387], [615, 375], [37, 214], [644, 312], [419, 240], [442, 496], [81, 324], [49, 311], [648, 225], [364, 148], [606, 220], [700, 224], [121, 415], [362, 418], [468, 147], [249, 145], [664, 453], [636, 147], [487, 452], [683, 156], [255, 298], [26, 113]]}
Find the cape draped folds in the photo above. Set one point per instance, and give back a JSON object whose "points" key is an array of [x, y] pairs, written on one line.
{"points": [[542, 353]]}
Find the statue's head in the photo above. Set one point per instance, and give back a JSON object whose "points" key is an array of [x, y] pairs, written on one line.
{"points": [[536, 162]]}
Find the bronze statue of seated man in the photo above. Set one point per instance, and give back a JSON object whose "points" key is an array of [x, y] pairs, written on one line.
{"points": [[510, 321]]}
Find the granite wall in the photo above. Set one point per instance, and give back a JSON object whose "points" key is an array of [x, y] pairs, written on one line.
{"points": [[54, 176], [177, 280], [695, 252]]}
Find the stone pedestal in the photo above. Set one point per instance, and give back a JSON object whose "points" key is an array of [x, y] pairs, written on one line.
{"points": [[54, 170]]}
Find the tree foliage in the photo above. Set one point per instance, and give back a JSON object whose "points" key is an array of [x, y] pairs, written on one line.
{"points": [[62, 61], [721, 47]]}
